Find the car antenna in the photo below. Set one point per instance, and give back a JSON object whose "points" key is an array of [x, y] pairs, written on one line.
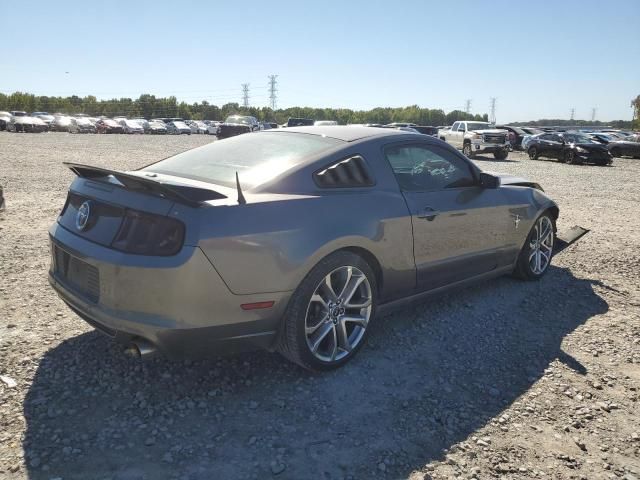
{"points": [[241, 199]]}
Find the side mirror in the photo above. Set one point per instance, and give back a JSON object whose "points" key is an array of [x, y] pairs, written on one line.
{"points": [[489, 181]]}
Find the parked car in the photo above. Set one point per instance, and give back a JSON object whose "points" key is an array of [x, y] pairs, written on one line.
{"points": [[516, 134], [61, 123], [130, 126], [299, 122], [425, 130], [143, 122], [527, 140], [19, 113], [567, 147], [618, 148], [201, 127], [107, 125], [26, 124], [81, 125], [477, 137], [400, 124], [202, 257], [178, 128], [237, 125], [5, 117], [212, 126], [45, 117], [324, 123], [156, 128]]}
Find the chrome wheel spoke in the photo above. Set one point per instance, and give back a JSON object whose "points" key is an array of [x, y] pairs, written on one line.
{"points": [[343, 338], [312, 329], [350, 289], [327, 288], [334, 347], [327, 328]]}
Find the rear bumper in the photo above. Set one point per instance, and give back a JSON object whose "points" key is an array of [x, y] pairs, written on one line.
{"points": [[179, 304], [595, 157]]}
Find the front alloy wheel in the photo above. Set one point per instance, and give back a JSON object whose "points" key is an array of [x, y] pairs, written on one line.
{"points": [[533, 153], [535, 257]]}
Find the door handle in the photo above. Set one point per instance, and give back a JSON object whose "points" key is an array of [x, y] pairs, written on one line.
{"points": [[428, 213]]}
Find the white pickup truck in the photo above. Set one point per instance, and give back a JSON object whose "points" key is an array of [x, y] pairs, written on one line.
{"points": [[477, 137]]}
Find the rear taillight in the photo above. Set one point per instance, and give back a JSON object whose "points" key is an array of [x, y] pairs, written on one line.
{"points": [[148, 234]]}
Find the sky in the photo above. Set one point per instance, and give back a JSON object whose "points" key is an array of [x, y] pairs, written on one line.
{"points": [[539, 58]]}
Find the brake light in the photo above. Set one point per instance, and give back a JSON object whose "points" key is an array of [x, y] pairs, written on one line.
{"points": [[148, 234]]}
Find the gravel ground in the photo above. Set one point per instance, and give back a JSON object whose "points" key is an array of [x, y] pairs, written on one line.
{"points": [[505, 380]]}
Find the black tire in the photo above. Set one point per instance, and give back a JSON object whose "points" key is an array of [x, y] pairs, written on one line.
{"points": [[501, 154], [523, 268], [616, 152], [467, 150], [292, 342], [533, 153], [570, 158]]}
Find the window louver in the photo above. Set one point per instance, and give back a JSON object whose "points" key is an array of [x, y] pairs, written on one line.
{"points": [[350, 172]]}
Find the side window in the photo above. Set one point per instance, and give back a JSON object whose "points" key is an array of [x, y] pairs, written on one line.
{"points": [[461, 127], [428, 168], [454, 127], [348, 173], [546, 136]]}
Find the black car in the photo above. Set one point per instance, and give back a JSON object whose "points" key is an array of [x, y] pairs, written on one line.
{"points": [[300, 122], [237, 125], [618, 148], [569, 148], [516, 134]]}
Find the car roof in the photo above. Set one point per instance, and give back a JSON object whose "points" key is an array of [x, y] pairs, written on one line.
{"points": [[344, 132]]}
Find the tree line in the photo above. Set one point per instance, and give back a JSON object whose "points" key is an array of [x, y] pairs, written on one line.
{"points": [[150, 106]]}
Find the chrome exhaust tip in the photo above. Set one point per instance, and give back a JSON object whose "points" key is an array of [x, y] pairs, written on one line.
{"points": [[140, 348]]}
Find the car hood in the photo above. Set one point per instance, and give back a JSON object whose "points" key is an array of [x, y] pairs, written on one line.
{"points": [[512, 180], [592, 146]]}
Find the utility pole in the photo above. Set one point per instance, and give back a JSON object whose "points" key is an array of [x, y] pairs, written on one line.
{"points": [[467, 106], [245, 95], [492, 118], [573, 112], [593, 114], [273, 98]]}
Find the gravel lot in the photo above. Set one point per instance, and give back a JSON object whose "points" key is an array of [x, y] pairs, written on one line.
{"points": [[505, 380]]}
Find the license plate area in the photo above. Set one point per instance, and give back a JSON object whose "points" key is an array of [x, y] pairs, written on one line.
{"points": [[76, 274]]}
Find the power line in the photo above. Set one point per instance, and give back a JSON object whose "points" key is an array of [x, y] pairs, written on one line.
{"points": [[467, 106], [492, 119], [273, 98], [245, 95]]}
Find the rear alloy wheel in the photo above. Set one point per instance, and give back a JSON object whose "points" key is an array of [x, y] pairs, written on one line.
{"points": [[570, 158], [533, 153], [536, 254], [467, 150], [329, 314]]}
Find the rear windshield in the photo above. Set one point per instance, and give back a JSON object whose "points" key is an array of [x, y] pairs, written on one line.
{"points": [[257, 157]]}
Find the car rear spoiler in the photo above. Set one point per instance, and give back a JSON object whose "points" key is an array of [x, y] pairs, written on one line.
{"points": [[185, 194]]}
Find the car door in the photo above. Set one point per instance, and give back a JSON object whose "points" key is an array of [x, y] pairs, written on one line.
{"points": [[458, 135], [460, 229]]}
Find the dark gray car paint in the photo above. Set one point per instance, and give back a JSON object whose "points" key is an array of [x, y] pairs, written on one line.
{"points": [[263, 249]]}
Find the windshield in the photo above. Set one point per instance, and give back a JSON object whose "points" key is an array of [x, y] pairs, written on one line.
{"points": [[257, 158], [478, 126], [238, 119], [577, 138], [180, 125]]}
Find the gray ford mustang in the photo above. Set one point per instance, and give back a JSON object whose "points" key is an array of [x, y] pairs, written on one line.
{"points": [[291, 240]]}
